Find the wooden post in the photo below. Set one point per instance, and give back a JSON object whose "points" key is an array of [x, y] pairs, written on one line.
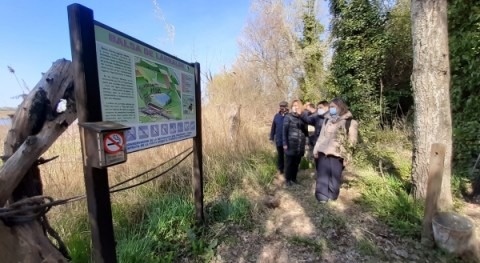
{"points": [[197, 176], [435, 173], [87, 95]]}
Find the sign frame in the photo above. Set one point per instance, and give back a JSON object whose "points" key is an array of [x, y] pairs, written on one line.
{"points": [[141, 48]]}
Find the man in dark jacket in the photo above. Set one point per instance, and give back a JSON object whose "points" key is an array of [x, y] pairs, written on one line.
{"points": [[315, 117], [294, 138], [276, 134]]}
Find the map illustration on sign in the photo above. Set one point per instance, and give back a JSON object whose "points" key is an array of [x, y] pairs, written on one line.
{"points": [[159, 96]]}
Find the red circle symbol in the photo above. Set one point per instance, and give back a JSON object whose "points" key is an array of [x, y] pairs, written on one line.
{"points": [[113, 142]]}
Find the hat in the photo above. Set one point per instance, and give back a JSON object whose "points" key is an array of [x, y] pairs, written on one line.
{"points": [[283, 104]]}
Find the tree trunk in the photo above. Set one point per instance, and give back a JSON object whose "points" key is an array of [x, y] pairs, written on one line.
{"points": [[37, 123], [431, 86]]}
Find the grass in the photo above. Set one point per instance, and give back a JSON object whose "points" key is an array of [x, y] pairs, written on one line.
{"points": [[163, 230], [330, 220], [316, 245], [154, 222], [367, 248], [384, 180], [390, 202]]}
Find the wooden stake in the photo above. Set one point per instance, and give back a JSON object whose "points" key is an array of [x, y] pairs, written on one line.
{"points": [[435, 173]]}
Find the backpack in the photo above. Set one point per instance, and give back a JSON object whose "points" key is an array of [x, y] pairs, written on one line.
{"points": [[348, 122]]}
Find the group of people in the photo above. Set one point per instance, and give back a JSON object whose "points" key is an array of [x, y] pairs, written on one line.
{"points": [[330, 144]]}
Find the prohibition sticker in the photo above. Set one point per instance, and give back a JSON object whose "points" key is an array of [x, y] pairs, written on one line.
{"points": [[113, 142]]}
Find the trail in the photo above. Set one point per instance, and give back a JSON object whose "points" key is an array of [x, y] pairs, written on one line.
{"points": [[303, 230]]}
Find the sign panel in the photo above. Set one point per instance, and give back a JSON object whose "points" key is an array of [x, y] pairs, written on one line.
{"points": [[145, 89]]}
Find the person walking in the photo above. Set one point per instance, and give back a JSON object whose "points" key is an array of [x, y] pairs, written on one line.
{"points": [[276, 135], [294, 137], [332, 149]]}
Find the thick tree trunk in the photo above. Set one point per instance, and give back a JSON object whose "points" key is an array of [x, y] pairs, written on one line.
{"points": [[431, 86], [35, 127]]}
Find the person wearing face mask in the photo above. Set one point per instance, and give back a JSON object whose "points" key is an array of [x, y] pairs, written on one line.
{"points": [[333, 149], [294, 138], [276, 132], [314, 116]]}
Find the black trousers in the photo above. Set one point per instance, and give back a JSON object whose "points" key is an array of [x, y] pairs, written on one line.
{"points": [[291, 169], [280, 159], [329, 177]]}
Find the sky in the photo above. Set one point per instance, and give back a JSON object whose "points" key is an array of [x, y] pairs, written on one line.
{"points": [[34, 33]]}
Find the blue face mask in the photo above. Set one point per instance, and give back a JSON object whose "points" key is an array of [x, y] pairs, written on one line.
{"points": [[333, 111]]}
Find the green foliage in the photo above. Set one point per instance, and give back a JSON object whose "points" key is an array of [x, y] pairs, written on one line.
{"points": [[310, 44], [397, 90], [464, 36], [358, 62], [373, 59]]}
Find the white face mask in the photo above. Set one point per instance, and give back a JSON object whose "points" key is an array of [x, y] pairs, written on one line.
{"points": [[321, 111], [294, 109]]}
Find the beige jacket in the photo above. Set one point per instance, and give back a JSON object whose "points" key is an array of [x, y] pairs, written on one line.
{"points": [[333, 138]]}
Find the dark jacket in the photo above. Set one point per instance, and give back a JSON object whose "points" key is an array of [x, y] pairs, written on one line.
{"points": [[294, 134], [277, 129], [315, 120]]}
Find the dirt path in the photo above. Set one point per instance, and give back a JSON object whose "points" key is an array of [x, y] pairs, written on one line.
{"points": [[303, 230]]}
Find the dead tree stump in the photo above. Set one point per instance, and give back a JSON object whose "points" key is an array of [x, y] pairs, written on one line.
{"points": [[41, 118]]}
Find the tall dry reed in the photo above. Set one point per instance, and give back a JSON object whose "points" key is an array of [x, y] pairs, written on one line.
{"points": [[63, 177]]}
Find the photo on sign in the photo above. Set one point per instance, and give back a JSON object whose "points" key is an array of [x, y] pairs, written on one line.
{"points": [[159, 96]]}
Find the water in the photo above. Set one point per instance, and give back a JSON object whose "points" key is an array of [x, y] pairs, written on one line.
{"points": [[5, 122]]}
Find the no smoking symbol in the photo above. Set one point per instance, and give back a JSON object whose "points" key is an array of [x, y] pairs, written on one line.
{"points": [[113, 143]]}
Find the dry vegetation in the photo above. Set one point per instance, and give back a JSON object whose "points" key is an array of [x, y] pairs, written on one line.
{"points": [[63, 177], [5, 114]]}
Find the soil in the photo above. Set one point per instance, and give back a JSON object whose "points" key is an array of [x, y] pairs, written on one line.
{"points": [[291, 226]]}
